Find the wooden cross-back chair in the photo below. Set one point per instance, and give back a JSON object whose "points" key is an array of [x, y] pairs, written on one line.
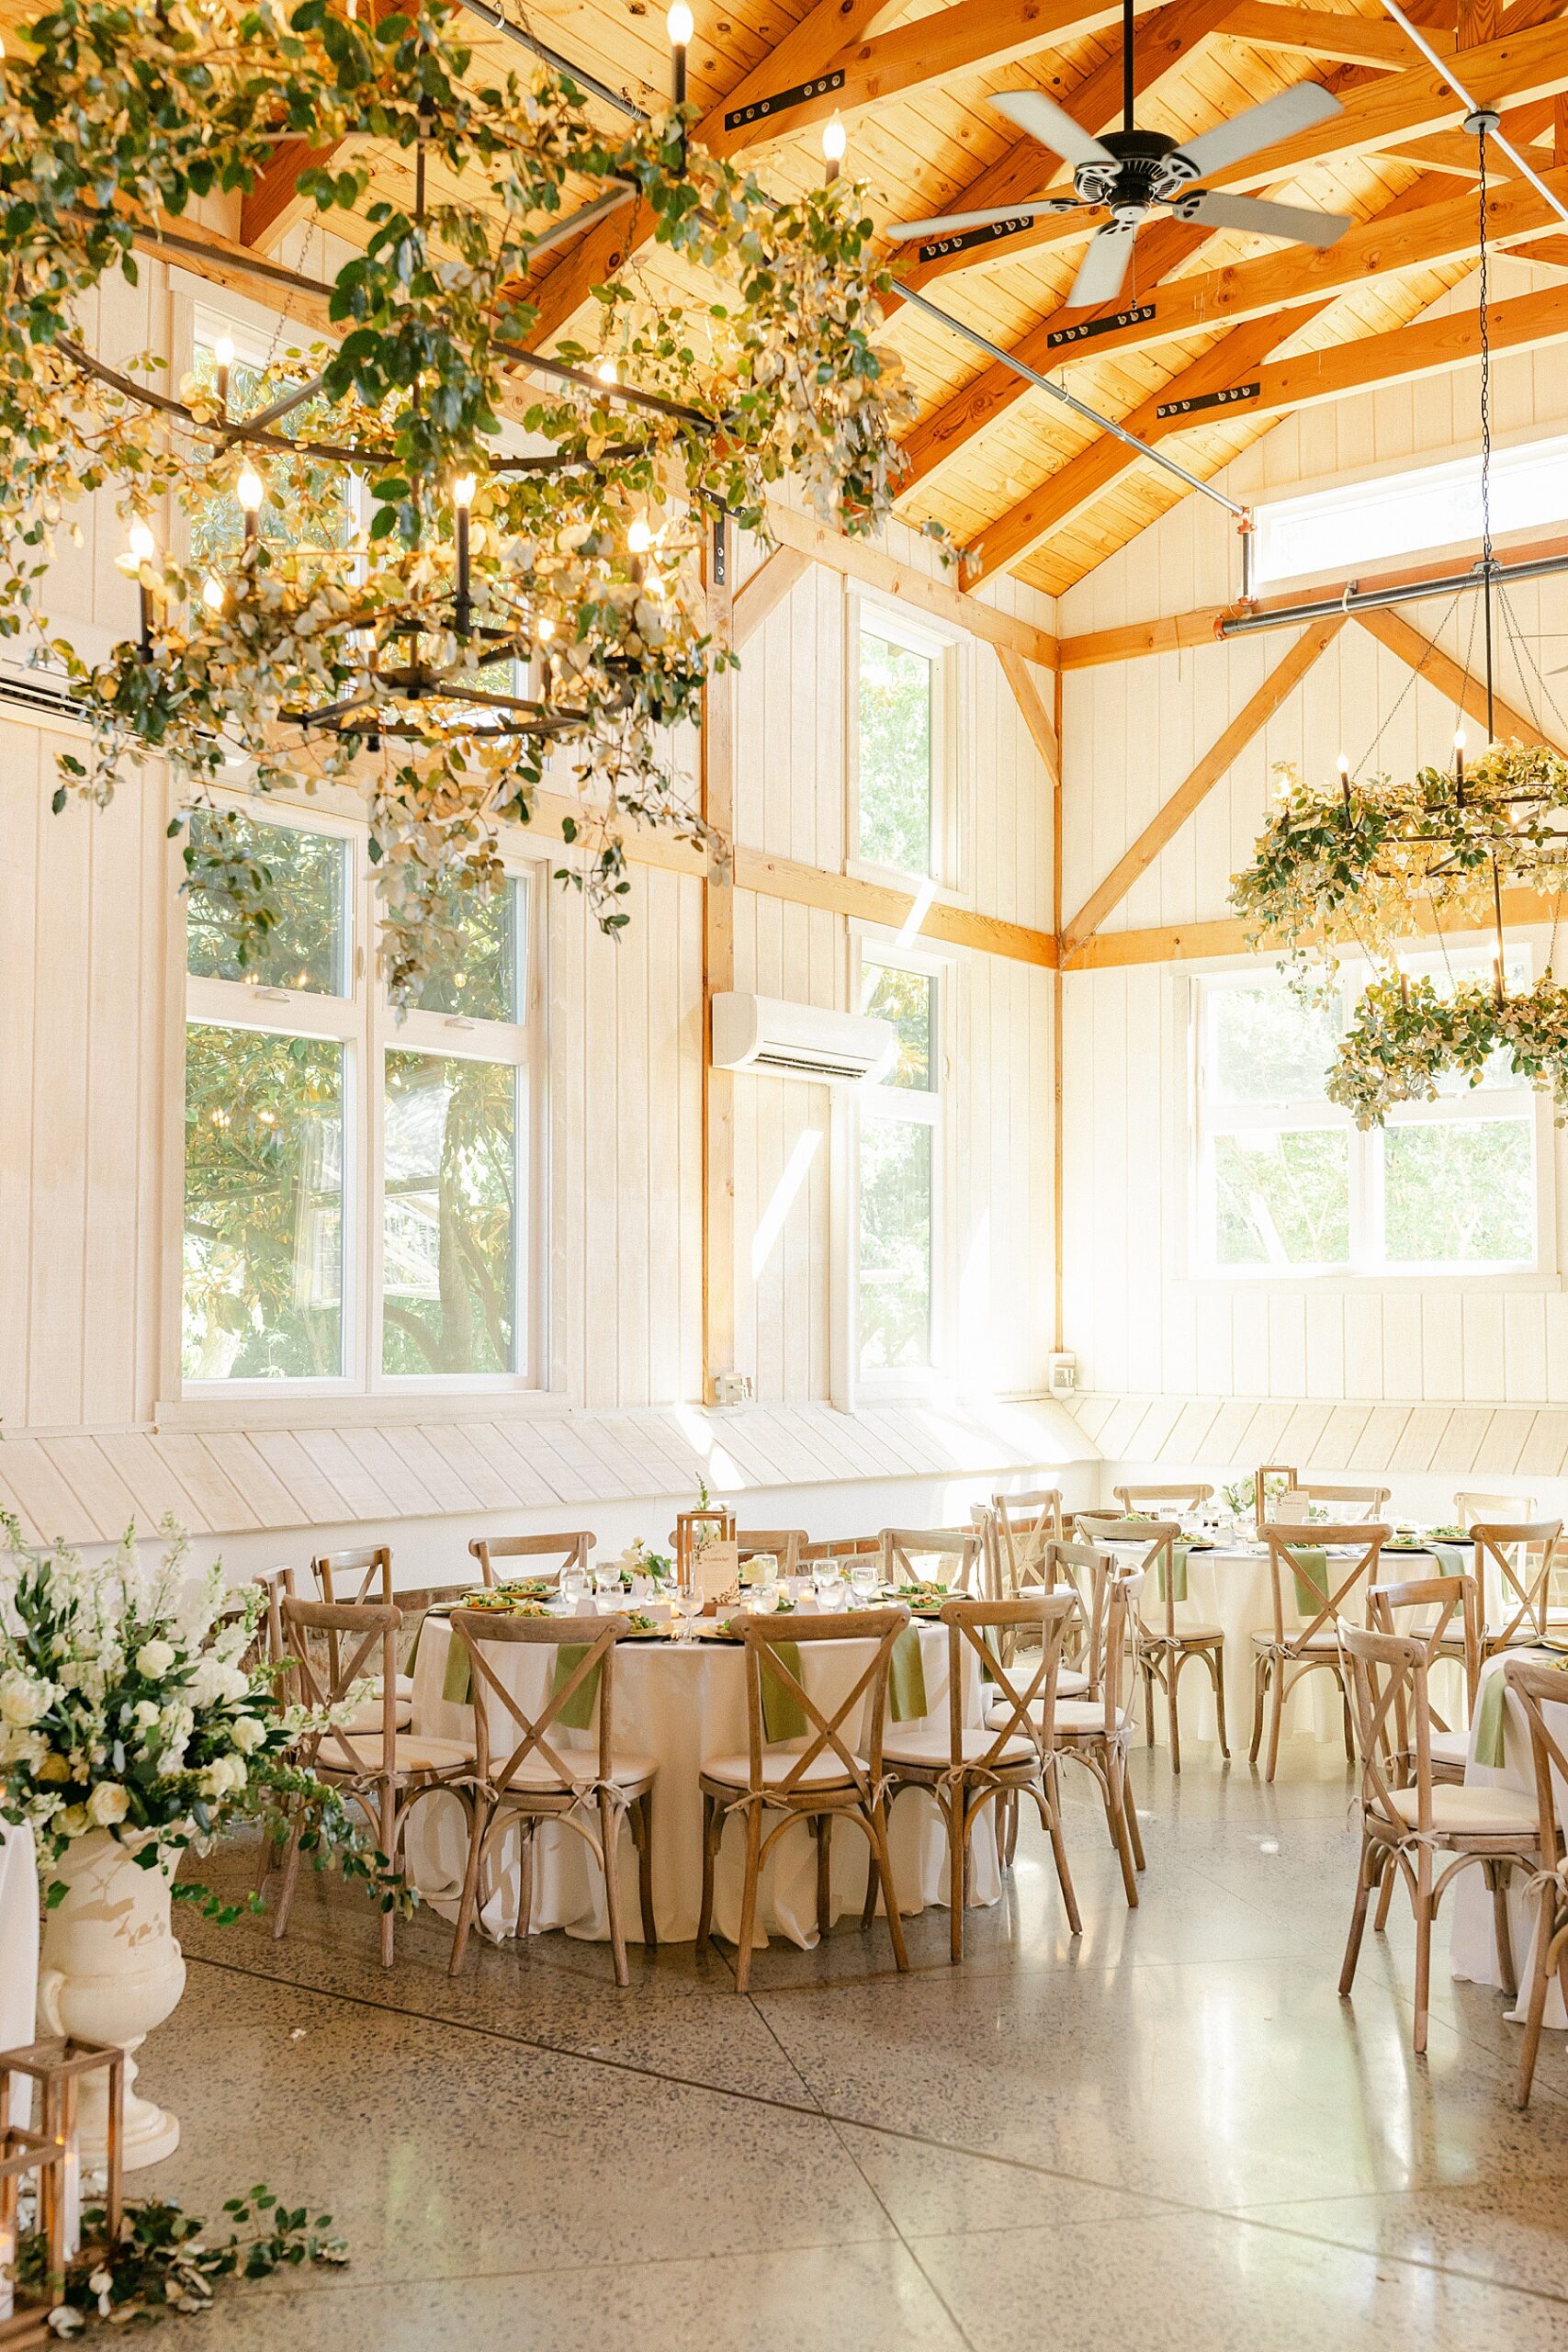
{"points": [[1426, 1832], [824, 1779], [1261, 1498], [1014, 1755], [785, 1543], [1309, 1598], [839, 1547], [1164, 1501], [524, 1776], [1162, 1645], [1024, 1524], [1096, 1730], [547, 1555], [1536, 1687], [903, 1549], [333, 1647], [1350, 1505], [1514, 1560], [1469, 1506], [1426, 1610], [369, 1571]]}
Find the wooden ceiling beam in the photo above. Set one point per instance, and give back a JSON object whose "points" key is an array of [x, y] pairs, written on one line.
{"points": [[1451, 679], [1192, 941], [765, 591], [1323, 35], [858, 560], [1032, 707], [1195, 788]]}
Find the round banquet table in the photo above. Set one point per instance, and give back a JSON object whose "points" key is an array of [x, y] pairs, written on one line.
{"points": [[1231, 1587], [680, 1701], [1473, 1945], [19, 1937]]}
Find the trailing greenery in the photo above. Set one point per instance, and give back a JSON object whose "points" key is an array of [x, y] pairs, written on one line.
{"points": [[161, 2260], [123, 112], [1408, 1036]]}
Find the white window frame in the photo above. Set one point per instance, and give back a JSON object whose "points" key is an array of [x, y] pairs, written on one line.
{"points": [[365, 1024], [913, 1106], [1365, 1268], [868, 613]]}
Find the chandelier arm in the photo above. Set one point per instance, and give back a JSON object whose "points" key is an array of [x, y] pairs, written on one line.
{"points": [[286, 406], [583, 218], [552, 57]]}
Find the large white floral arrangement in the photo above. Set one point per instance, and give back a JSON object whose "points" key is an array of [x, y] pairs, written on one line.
{"points": [[128, 1706]]}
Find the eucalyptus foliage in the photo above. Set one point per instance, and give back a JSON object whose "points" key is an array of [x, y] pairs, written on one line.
{"points": [[122, 113]]}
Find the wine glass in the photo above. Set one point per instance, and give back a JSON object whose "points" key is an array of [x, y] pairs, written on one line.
{"points": [[688, 1609], [829, 1579], [763, 1599], [865, 1575], [574, 1586]]}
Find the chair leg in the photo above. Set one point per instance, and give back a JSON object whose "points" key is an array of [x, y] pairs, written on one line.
{"points": [[1059, 1856], [1385, 1897], [1498, 1874], [609, 1848], [1259, 1675], [1358, 1923], [290, 1879], [1135, 1828], [1148, 1700], [1541, 1979], [822, 1831], [468, 1904], [878, 1820], [749, 1896], [389, 1847], [1349, 1726], [1174, 1661], [525, 1878], [1276, 1716], [1423, 1945], [1216, 1659], [642, 1831], [1116, 1811], [710, 1855], [957, 1874]]}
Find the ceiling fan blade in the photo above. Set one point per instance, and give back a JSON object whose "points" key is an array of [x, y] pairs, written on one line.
{"points": [[1259, 219], [1043, 119], [1104, 266], [948, 224], [1248, 133]]}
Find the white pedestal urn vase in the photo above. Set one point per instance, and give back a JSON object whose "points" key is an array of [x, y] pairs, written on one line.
{"points": [[111, 1971]]}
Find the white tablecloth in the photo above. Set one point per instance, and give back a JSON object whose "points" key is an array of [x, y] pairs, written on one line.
{"points": [[1472, 1947], [681, 1702], [1231, 1587], [19, 1937]]}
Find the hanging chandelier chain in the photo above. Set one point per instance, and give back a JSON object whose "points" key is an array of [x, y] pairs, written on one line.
{"points": [[1483, 123]]}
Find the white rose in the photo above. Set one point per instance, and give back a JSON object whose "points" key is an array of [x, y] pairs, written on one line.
{"points": [[71, 1821], [214, 1681], [248, 1734], [224, 1773], [109, 1803], [21, 1747], [23, 1699], [144, 1714], [155, 1658]]}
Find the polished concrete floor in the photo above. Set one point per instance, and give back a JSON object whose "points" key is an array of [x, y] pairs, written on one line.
{"points": [[1170, 2135]]}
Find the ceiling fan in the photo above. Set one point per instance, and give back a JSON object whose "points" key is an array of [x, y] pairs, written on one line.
{"points": [[1129, 172]]}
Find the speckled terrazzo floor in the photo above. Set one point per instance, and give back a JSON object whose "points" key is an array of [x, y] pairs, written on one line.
{"points": [[1170, 2135]]}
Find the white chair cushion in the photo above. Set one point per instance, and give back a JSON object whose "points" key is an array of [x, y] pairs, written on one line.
{"points": [[1154, 1632], [413, 1755], [537, 1773], [735, 1771], [367, 1718], [1450, 1746], [1471, 1812], [1089, 1714], [998, 1712], [915, 1745], [1324, 1639]]}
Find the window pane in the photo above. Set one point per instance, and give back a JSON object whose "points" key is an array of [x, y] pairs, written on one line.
{"points": [[1459, 1191], [895, 1243], [449, 1245], [309, 876], [1282, 1197], [909, 1001], [1267, 1045], [896, 693], [305, 505], [263, 1206], [483, 981]]}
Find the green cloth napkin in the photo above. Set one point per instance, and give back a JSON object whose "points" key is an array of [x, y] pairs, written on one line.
{"points": [[1177, 1573], [456, 1683], [784, 1717], [1309, 1564], [907, 1678], [1488, 1743], [578, 1712]]}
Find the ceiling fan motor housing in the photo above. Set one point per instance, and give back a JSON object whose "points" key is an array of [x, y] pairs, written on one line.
{"points": [[1139, 174]]}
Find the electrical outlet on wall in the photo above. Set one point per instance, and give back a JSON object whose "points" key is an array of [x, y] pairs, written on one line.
{"points": [[732, 1389], [1062, 1374]]}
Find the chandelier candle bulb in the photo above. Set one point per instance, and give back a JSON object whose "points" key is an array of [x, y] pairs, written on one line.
{"points": [[462, 500], [680, 24], [1345, 785], [223, 359], [143, 547], [1459, 762], [835, 138], [250, 490], [640, 538]]}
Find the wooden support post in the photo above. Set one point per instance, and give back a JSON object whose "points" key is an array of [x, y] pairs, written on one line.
{"points": [[1058, 1141], [718, 790], [1036, 717], [1216, 762], [765, 591]]}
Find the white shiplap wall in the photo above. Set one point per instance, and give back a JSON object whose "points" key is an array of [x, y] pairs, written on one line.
{"points": [[1130, 732], [89, 961]]}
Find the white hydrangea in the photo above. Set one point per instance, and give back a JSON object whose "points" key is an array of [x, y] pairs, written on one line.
{"points": [[215, 1679], [155, 1658], [24, 1699]]}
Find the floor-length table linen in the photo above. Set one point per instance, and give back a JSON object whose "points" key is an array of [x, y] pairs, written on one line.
{"points": [[19, 1937], [1472, 1943], [681, 1702], [1231, 1587]]}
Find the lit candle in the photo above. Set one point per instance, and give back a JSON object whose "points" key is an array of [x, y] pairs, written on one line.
{"points": [[463, 491], [1459, 761], [250, 490], [606, 370], [640, 538], [835, 138], [680, 24], [143, 547], [1345, 781], [223, 355]]}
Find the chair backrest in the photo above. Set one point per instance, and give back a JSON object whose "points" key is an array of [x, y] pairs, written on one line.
{"points": [[1167, 1502], [547, 1554], [1024, 1525], [368, 1572], [903, 1548], [1538, 1687], [266, 1646], [765, 1639], [506, 1734], [1513, 1561], [968, 1623], [1156, 1540], [1350, 1502], [1107, 1593], [351, 1642], [1392, 1721], [1425, 1611], [841, 1547], [1470, 1507], [1311, 1594], [785, 1543]]}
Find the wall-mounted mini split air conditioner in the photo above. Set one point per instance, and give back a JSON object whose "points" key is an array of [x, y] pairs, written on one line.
{"points": [[765, 1033]]}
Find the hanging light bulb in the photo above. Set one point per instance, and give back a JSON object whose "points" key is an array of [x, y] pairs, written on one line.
{"points": [[606, 371], [223, 359], [250, 490], [1459, 759], [463, 491], [212, 592], [835, 138], [680, 24], [144, 546]]}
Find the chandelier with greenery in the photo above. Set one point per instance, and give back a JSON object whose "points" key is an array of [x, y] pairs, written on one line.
{"points": [[457, 556]]}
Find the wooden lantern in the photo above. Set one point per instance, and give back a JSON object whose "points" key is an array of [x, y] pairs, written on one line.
{"points": [[715, 1526], [56, 2067]]}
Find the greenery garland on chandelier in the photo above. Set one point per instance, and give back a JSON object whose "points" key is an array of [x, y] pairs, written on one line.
{"points": [[1359, 864], [378, 657]]}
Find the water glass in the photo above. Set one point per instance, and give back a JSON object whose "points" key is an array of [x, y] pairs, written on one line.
{"points": [[688, 1609], [829, 1582], [763, 1599], [574, 1586], [865, 1576]]}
